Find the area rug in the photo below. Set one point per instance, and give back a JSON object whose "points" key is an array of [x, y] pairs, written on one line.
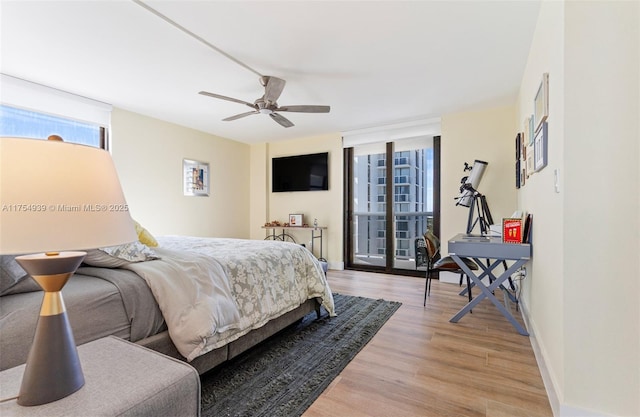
{"points": [[285, 374]]}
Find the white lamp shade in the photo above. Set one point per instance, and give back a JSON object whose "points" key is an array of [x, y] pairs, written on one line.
{"points": [[57, 196]]}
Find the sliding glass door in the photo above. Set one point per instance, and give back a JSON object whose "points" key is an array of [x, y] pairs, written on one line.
{"points": [[392, 198], [369, 214]]}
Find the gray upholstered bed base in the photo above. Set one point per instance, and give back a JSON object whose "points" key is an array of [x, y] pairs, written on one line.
{"points": [[119, 304], [162, 343]]}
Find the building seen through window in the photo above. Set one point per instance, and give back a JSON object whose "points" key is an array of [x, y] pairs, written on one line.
{"points": [[413, 203]]}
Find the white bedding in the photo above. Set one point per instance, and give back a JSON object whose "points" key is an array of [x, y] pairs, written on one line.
{"points": [[212, 291], [194, 296]]}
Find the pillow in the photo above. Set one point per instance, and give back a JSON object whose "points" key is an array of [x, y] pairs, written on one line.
{"points": [[27, 284], [144, 236], [120, 255], [96, 257], [10, 272]]}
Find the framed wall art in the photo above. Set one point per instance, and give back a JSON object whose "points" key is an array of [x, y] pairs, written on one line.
{"points": [[531, 130], [295, 220], [195, 177], [540, 148], [541, 102]]}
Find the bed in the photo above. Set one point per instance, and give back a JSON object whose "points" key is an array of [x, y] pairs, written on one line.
{"points": [[202, 300]]}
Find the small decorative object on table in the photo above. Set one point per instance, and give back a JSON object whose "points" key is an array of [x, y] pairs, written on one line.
{"points": [[512, 230], [295, 220]]}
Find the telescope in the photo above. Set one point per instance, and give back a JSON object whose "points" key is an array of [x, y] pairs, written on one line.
{"points": [[471, 182], [471, 198]]}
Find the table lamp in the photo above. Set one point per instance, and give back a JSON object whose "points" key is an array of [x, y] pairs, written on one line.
{"points": [[55, 197]]}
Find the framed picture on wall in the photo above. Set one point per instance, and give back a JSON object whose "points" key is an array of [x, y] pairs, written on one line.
{"points": [[540, 148], [295, 220], [532, 130], [541, 102], [530, 165], [195, 178]]}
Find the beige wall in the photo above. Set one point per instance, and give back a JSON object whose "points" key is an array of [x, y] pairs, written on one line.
{"points": [[543, 294], [148, 154], [260, 189], [326, 206], [487, 135], [581, 303]]}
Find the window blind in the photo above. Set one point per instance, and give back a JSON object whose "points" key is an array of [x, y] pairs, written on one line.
{"points": [[27, 95], [400, 132]]}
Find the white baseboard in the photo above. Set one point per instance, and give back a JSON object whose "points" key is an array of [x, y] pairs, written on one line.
{"points": [[557, 407], [336, 265], [538, 352]]}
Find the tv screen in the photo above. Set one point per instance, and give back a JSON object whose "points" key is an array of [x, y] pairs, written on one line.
{"points": [[300, 173]]}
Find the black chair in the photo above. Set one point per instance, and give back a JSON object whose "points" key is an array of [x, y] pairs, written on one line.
{"points": [[427, 249]]}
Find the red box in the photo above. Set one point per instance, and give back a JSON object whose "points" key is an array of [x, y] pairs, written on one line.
{"points": [[512, 230]]}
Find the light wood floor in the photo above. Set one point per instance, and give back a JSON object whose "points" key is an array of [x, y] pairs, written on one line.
{"points": [[420, 364]]}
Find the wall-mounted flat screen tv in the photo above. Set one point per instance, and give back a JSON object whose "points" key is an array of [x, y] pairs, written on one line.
{"points": [[300, 173]]}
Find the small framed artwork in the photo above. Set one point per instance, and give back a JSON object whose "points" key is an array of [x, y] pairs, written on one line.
{"points": [[540, 148], [527, 126], [529, 165], [295, 220], [518, 173], [531, 129], [195, 178], [541, 102]]}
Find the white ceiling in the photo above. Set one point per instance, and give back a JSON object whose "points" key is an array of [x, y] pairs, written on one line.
{"points": [[373, 62]]}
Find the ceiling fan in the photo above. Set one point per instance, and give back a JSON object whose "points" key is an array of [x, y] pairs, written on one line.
{"points": [[267, 104]]}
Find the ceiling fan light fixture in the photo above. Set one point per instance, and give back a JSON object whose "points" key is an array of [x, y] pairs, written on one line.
{"points": [[267, 104]]}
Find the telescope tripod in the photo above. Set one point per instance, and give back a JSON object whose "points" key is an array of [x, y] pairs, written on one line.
{"points": [[484, 219]]}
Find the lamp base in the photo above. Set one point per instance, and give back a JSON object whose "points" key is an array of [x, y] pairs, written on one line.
{"points": [[53, 368]]}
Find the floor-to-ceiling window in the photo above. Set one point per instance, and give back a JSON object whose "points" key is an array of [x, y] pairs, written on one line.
{"points": [[392, 197]]}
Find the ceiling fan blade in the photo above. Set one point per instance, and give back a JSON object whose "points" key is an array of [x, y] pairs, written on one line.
{"points": [[235, 100], [238, 116], [273, 88], [281, 119], [305, 109]]}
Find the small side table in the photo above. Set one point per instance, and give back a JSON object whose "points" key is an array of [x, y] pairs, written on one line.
{"points": [[121, 378], [316, 233]]}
